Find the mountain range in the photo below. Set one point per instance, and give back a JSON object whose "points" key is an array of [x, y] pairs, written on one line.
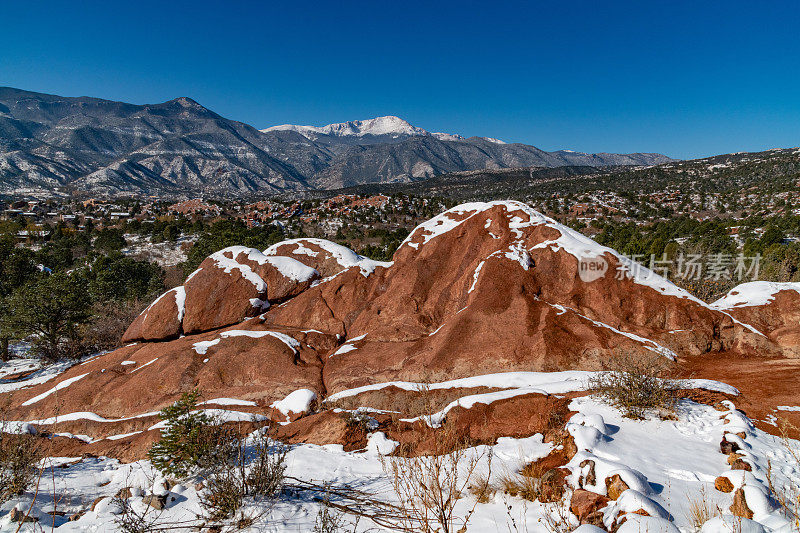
{"points": [[54, 145]]}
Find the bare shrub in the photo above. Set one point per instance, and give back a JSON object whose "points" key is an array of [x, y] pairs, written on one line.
{"points": [[637, 383], [258, 474], [107, 325], [557, 518], [20, 454], [223, 495], [331, 520], [428, 487]]}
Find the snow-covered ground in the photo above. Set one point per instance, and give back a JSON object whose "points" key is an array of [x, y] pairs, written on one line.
{"points": [[163, 253], [668, 465]]}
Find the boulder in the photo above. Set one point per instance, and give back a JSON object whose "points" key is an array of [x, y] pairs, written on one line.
{"points": [[615, 486], [723, 484], [585, 504], [739, 506], [771, 307], [223, 291], [728, 447], [161, 320]]}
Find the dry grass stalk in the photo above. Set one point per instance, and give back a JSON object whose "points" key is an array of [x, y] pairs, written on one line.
{"points": [[429, 487]]}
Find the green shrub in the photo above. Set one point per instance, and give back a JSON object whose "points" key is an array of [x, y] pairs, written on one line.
{"points": [[190, 439]]}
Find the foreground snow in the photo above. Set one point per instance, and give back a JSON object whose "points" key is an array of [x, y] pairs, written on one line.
{"points": [[667, 465]]}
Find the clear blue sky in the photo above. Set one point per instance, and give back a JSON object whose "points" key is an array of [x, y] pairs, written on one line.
{"points": [[687, 79]]}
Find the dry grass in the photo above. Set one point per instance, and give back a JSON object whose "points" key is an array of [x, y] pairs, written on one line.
{"points": [[787, 494], [637, 384], [428, 487], [701, 510], [482, 489], [521, 486]]}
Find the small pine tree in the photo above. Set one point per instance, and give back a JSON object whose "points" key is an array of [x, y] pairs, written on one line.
{"points": [[186, 440]]}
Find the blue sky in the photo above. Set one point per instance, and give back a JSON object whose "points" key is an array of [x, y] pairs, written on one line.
{"points": [[687, 79]]}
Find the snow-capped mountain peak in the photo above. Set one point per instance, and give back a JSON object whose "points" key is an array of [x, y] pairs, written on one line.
{"points": [[390, 125]]}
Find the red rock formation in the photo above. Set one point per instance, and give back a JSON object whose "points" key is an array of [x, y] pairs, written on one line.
{"points": [[161, 320], [772, 308], [482, 288]]}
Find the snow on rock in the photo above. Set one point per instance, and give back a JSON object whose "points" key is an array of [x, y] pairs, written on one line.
{"points": [[379, 444], [545, 382], [202, 347], [292, 268], [64, 384], [228, 265], [635, 523], [344, 257], [297, 402], [753, 293], [229, 401]]}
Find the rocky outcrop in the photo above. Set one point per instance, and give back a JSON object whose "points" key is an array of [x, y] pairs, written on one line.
{"points": [[229, 286], [482, 288], [162, 320], [772, 308]]}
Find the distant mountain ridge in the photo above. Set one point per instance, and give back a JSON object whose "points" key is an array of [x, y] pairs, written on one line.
{"points": [[60, 145]]}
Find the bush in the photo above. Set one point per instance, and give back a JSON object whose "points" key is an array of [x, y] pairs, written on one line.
{"points": [[19, 457], [20, 454], [428, 487], [190, 439], [637, 384], [233, 480], [50, 310], [108, 323]]}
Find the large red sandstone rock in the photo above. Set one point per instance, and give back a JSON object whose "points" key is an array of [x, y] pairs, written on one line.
{"points": [[228, 287], [162, 320], [482, 288], [327, 257], [497, 287], [772, 308]]}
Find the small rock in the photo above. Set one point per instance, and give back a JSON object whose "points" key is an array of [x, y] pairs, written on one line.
{"points": [[615, 486], [733, 457], [552, 485], [739, 506], [585, 503], [591, 477], [19, 516], [77, 515], [723, 484], [157, 502], [124, 493], [728, 447], [199, 486]]}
